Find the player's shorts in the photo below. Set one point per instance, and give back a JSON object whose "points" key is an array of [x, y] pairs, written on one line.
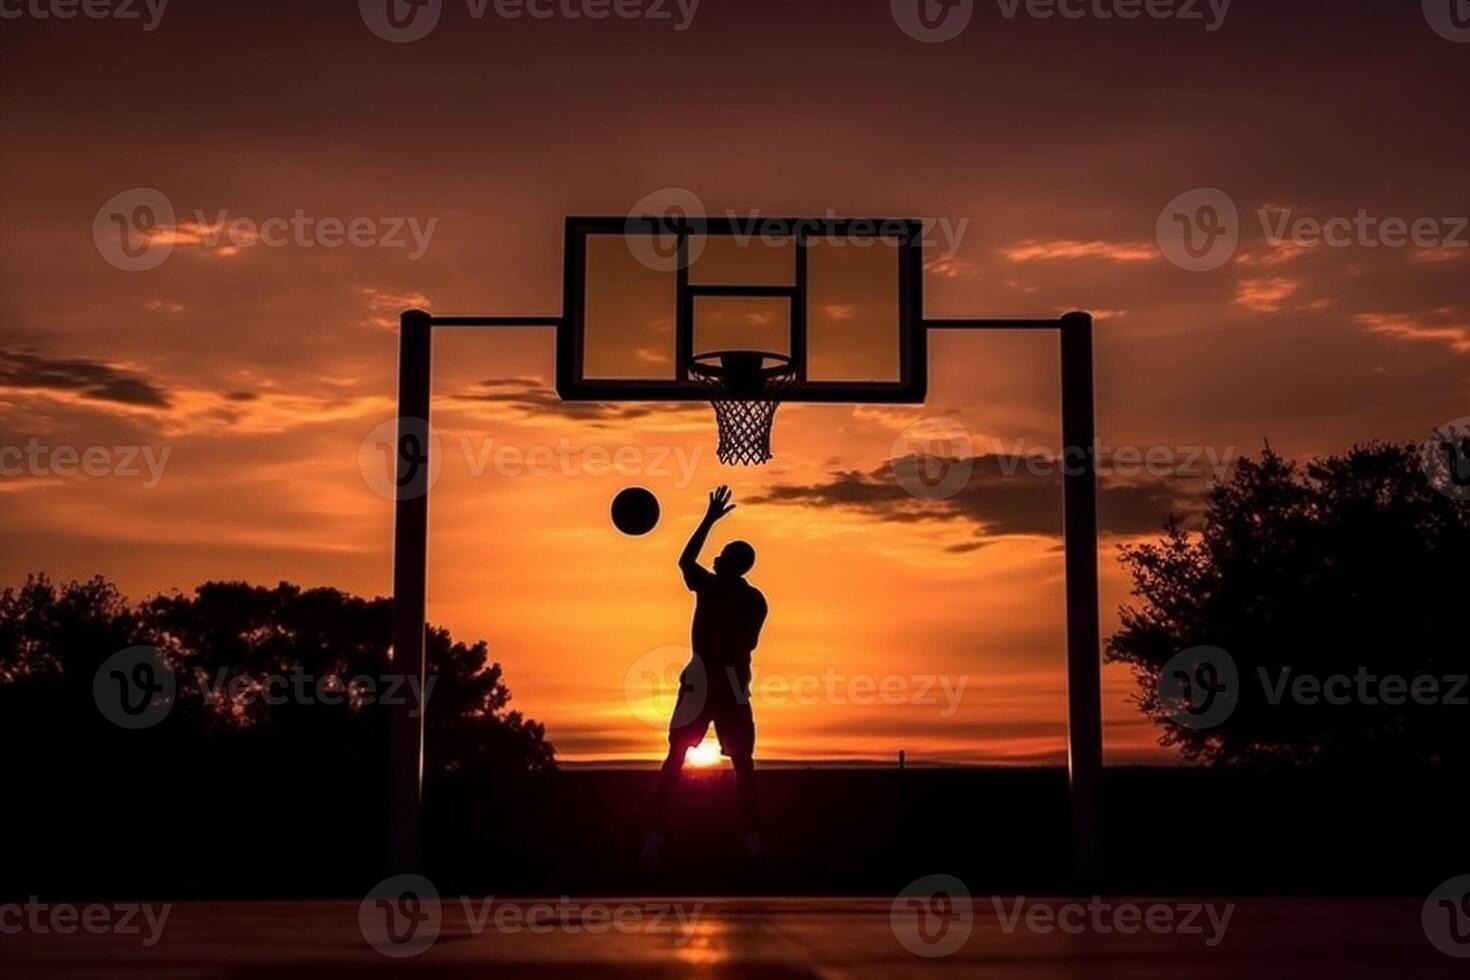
{"points": [[721, 702]]}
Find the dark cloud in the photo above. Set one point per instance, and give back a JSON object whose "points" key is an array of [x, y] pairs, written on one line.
{"points": [[91, 379], [532, 398], [1002, 496]]}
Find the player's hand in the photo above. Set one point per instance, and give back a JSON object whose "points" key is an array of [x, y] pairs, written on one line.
{"points": [[719, 504]]}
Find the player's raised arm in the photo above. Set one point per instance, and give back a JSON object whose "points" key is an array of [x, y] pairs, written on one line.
{"points": [[719, 506]]}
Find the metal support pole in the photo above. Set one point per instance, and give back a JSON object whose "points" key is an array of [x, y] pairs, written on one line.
{"points": [[410, 588], [1084, 659]]}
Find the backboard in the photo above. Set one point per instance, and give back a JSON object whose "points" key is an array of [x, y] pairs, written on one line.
{"points": [[646, 295]]}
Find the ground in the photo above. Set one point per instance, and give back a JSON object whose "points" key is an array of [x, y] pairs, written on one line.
{"points": [[1342, 938]]}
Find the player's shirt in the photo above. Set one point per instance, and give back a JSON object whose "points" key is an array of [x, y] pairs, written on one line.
{"points": [[728, 615]]}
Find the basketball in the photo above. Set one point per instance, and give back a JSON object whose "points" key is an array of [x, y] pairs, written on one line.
{"points": [[635, 511]]}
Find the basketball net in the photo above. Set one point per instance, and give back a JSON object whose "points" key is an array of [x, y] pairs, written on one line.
{"points": [[745, 388]]}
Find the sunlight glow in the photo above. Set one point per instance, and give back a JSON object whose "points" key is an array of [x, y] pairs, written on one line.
{"points": [[706, 753]]}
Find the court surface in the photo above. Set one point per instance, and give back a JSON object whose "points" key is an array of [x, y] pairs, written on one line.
{"points": [[1341, 938]]}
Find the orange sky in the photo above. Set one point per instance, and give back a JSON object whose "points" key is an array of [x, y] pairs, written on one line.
{"points": [[262, 370]]}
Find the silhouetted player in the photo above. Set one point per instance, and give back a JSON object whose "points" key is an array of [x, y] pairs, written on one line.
{"points": [[715, 686]]}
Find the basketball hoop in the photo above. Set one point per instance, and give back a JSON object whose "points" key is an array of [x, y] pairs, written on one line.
{"points": [[745, 388]]}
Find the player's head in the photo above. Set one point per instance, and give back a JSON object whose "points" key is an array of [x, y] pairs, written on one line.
{"points": [[736, 559]]}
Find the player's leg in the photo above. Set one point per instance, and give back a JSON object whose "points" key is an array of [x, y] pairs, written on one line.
{"points": [[687, 725], [745, 790], [735, 726], [691, 719], [681, 740], [668, 775]]}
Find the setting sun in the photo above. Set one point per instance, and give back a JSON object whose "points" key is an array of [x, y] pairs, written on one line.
{"points": [[706, 753]]}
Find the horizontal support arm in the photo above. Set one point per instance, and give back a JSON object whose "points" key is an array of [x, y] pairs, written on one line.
{"points": [[494, 321], [1021, 323], [928, 323]]}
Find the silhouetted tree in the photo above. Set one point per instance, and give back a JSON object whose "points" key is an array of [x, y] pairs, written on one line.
{"points": [[237, 783], [227, 639], [1352, 565]]}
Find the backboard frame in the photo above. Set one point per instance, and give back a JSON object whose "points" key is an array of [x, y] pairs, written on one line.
{"points": [[911, 338], [1079, 535]]}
